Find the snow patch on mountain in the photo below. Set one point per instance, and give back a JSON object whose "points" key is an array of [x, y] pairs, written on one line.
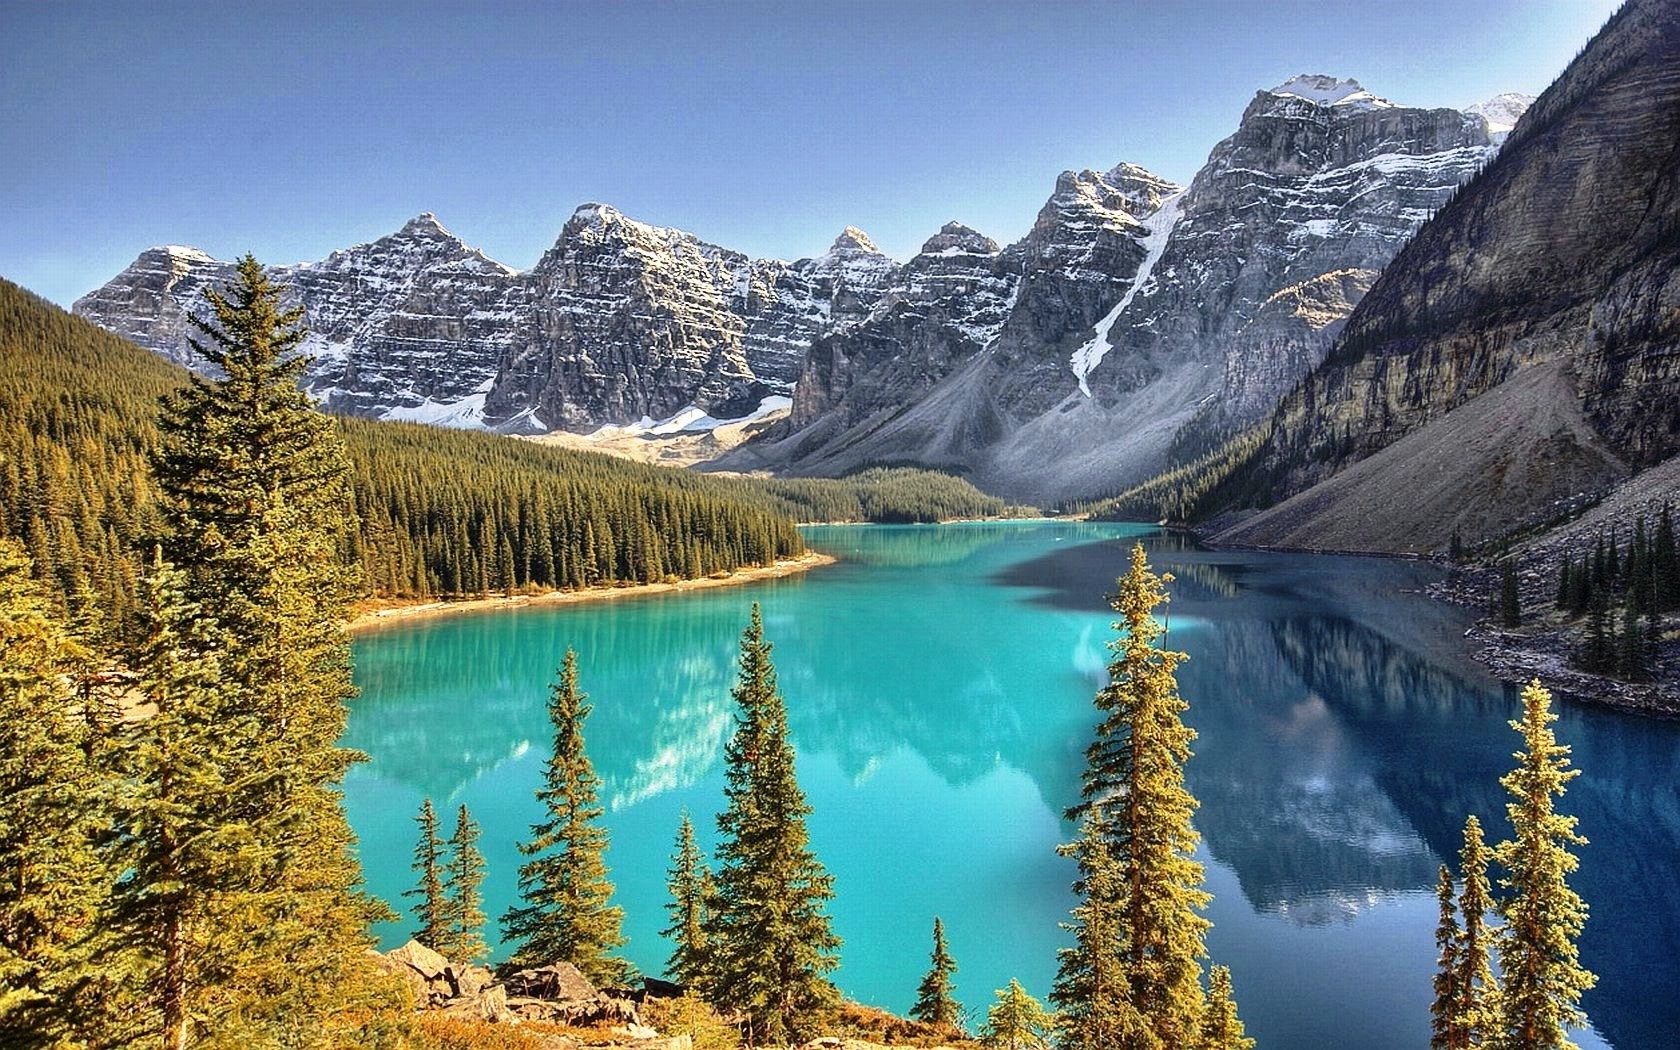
{"points": [[1160, 226], [1331, 91], [692, 419], [1501, 112]]}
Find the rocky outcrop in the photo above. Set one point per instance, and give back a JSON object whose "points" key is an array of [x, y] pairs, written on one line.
{"points": [[1559, 261], [618, 322]]}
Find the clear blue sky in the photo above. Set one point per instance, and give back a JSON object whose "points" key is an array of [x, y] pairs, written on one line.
{"points": [[293, 129]]}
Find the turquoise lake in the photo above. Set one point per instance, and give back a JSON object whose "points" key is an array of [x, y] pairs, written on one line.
{"points": [[939, 684]]}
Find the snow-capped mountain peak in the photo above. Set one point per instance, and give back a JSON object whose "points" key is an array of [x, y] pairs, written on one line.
{"points": [[1330, 91], [1501, 112]]}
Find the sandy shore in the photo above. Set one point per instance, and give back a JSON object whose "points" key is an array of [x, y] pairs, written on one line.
{"points": [[384, 614]]}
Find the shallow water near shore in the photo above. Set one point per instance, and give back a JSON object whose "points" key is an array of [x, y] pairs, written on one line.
{"points": [[939, 682]]}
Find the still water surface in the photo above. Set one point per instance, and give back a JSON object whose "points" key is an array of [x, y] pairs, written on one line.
{"points": [[939, 685]]}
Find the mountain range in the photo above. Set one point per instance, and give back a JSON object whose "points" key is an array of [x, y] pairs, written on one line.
{"points": [[1136, 322]]}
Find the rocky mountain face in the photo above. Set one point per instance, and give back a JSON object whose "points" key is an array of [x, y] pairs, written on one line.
{"points": [[620, 320], [1545, 295], [1147, 321], [1137, 321]]}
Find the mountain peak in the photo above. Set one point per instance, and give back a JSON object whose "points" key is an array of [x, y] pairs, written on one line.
{"points": [[954, 238], [425, 224], [1501, 111], [1323, 90], [854, 239]]}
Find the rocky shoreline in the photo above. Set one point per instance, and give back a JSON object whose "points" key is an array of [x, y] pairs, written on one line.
{"points": [[556, 1007], [1543, 646]]}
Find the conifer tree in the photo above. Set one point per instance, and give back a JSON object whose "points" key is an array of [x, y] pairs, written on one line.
{"points": [[1221, 1028], [1539, 960], [772, 945], [1476, 1005], [567, 913], [51, 879], [1092, 993], [1137, 760], [1510, 602], [255, 490], [464, 942], [1016, 1021], [935, 1004], [431, 909], [183, 839], [688, 881], [1446, 1028]]}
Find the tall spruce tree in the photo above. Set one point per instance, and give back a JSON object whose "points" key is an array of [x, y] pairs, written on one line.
{"points": [[1135, 771], [431, 907], [567, 913], [182, 837], [1017, 1021], [936, 1003], [1510, 599], [1476, 1005], [1091, 993], [255, 487], [1446, 1026], [1222, 1029], [463, 892], [51, 879], [771, 941], [1539, 960], [689, 883]]}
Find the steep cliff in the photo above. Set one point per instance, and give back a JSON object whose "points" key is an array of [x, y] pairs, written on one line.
{"points": [[1148, 322], [1545, 294]]}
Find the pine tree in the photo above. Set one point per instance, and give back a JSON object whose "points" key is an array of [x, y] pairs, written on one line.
{"points": [[1510, 603], [182, 838], [51, 879], [771, 940], [1539, 959], [935, 1004], [1221, 1028], [1137, 760], [1477, 1004], [464, 940], [431, 909], [1016, 1021], [1092, 993], [255, 490], [1447, 1029], [567, 913], [688, 881]]}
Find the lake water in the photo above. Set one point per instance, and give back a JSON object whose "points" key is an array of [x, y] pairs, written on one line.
{"points": [[939, 684]]}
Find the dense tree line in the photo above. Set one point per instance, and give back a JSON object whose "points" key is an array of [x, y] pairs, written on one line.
{"points": [[1189, 492], [889, 495], [438, 513], [1623, 593]]}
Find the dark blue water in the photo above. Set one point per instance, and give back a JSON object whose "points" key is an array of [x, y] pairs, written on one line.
{"points": [[939, 682]]}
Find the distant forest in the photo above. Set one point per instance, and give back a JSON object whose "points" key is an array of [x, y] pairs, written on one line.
{"points": [[441, 513]]}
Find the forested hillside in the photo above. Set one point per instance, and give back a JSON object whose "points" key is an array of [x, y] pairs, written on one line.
{"points": [[441, 512]]}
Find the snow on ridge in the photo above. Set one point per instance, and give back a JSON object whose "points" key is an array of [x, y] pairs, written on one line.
{"points": [[1330, 91], [1501, 112], [690, 420], [1160, 226]]}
